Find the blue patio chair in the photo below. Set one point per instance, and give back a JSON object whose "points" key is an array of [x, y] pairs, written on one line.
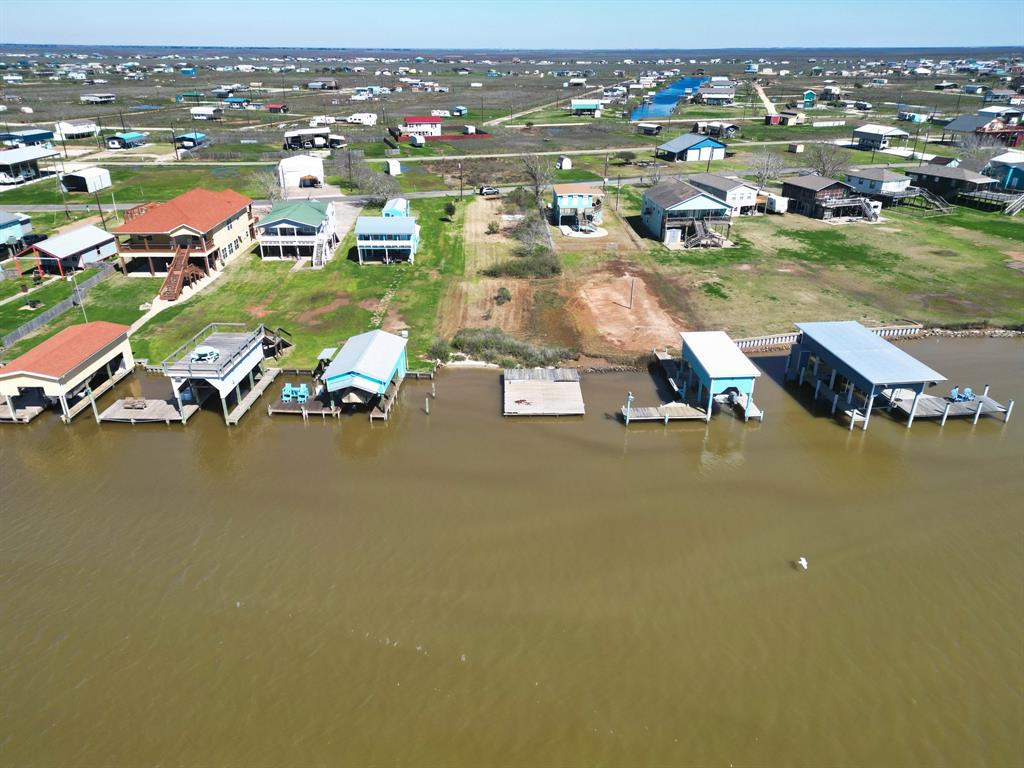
{"points": [[286, 393], [968, 394], [954, 394], [302, 393]]}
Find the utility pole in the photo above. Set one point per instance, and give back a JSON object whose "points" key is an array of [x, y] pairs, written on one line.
{"points": [[618, 188], [460, 179], [174, 143], [99, 207], [604, 176]]}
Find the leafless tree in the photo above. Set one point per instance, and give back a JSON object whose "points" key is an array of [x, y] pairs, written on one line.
{"points": [[978, 146], [538, 171], [767, 165], [827, 159], [654, 174], [265, 185]]}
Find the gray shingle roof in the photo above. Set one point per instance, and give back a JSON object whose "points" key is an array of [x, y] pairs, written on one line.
{"points": [[812, 181], [672, 192], [876, 174], [945, 172], [720, 185]]}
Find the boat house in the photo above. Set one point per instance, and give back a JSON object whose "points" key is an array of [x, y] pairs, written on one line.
{"points": [[854, 365], [70, 369], [368, 369], [715, 366]]}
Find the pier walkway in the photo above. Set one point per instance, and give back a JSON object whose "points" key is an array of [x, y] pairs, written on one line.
{"points": [[235, 414]]}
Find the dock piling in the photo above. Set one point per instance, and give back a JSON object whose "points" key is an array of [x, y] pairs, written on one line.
{"points": [[977, 413], [945, 414], [426, 405], [1009, 410]]}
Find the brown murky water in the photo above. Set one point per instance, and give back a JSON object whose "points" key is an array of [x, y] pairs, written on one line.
{"points": [[464, 590]]}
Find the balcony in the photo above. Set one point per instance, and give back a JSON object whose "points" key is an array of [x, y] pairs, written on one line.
{"points": [[163, 248]]}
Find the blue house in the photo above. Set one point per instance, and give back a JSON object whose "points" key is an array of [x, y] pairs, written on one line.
{"points": [[713, 364], [578, 205], [1008, 168], [387, 238], [367, 366], [810, 99], [27, 137], [13, 228], [188, 71], [691, 146]]}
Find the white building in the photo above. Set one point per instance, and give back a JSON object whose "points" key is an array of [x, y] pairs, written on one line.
{"points": [[67, 130], [91, 179], [206, 113], [879, 182], [420, 125], [300, 171], [740, 195], [873, 136], [362, 118]]}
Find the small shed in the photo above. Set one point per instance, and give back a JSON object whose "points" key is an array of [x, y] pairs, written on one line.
{"points": [[393, 167], [396, 206], [565, 163], [367, 367], [91, 179], [278, 109], [716, 366]]}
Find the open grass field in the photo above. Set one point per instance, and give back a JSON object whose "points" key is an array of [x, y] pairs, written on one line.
{"points": [[322, 308], [14, 314], [142, 183]]}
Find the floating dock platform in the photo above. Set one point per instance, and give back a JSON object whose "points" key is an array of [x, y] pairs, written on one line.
{"points": [[141, 410], [542, 392], [664, 413], [942, 408]]}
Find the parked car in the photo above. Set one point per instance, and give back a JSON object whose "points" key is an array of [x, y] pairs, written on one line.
{"points": [[490, 191]]}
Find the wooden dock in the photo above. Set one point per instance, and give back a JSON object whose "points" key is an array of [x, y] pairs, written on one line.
{"points": [[664, 413], [942, 408], [85, 400], [235, 414], [21, 415], [382, 410], [542, 392], [314, 406], [139, 410]]}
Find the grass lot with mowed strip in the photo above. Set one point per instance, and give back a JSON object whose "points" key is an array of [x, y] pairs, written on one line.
{"points": [[140, 183], [322, 308], [953, 270]]}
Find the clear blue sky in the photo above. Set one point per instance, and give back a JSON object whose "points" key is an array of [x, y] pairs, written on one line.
{"points": [[516, 24]]}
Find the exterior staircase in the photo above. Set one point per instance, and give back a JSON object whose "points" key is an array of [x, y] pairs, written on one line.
{"points": [[869, 212], [178, 273], [319, 253], [938, 203], [1015, 206]]}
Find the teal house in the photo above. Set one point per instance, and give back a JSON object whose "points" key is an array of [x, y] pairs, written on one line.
{"points": [[810, 99], [713, 367], [577, 205], [13, 228], [369, 366]]}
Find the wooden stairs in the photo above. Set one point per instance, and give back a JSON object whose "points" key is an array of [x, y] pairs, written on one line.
{"points": [[179, 273]]}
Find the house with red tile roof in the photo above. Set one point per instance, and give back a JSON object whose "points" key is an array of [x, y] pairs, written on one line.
{"points": [[200, 230], [70, 369]]}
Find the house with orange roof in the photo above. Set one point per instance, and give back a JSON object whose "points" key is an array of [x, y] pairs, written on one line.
{"points": [[70, 370], [186, 237]]}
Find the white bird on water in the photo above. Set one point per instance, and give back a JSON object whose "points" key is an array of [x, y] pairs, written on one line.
{"points": [[802, 562]]}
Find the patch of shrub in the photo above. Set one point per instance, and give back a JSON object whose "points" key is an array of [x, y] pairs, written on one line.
{"points": [[503, 296], [495, 346], [714, 290], [440, 350], [493, 228], [540, 263]]}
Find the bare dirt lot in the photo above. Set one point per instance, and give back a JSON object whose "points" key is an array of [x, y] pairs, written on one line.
{"points": [[601, 303]]}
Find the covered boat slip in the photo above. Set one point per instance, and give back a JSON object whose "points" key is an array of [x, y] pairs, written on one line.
{"points": [[71, 369], [851, 366], [222, 358], [367, 372], [542, 392]]}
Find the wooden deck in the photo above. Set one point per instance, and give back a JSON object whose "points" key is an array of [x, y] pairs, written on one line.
{"points": [[21, 415], [382, 411], [542, 392], [137, 410], [933, 407], [84, 401], [314, 406], [664, 413], [235, 414]]}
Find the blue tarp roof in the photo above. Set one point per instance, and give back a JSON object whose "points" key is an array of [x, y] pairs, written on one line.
{"points": [[130, 136], [868, 354], [194, 135]]}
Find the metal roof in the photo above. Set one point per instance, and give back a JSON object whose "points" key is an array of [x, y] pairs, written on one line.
{"points": [[308, 212], [672, 192], [813, 182], [873, 129], [716, 183], [194, 135], [374, 354], [876, 174], [719, 356], [75, 241], [868, 354], [25, 154], [946, 172], [687, 141], [385, 225]]}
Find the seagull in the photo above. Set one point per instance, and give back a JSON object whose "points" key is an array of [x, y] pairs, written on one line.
{"points": [[802, 563]]}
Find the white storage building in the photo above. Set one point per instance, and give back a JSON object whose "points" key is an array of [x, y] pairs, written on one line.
{"points": [[300, 171]]}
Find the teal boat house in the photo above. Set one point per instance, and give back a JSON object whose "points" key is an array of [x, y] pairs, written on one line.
{"points": [[716, 367], [369, 366]]}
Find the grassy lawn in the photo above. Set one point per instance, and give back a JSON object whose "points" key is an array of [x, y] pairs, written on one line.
{"points": [[322, 308], [12, 315], [416, 177], [115, 300], [140, 183], [946, 271]]}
